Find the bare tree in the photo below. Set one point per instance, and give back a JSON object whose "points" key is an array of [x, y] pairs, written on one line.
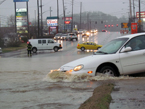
{"points": [[11, 21]]}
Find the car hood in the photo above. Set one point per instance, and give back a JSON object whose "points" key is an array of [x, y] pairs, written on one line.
{"points": [[93, 60]]}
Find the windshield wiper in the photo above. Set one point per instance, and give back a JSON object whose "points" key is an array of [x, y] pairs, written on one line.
{"points": [[102, 52]]}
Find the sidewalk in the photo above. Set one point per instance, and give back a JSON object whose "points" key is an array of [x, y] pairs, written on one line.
{"points": [[129, 94]]}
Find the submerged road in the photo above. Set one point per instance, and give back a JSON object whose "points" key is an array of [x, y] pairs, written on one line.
{"points": [[25, 83]]}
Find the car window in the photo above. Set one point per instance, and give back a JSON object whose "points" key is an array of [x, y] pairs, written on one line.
{"points": [[137, 43], [39, 41], [44, 41], [72, 34], [50, 41]]}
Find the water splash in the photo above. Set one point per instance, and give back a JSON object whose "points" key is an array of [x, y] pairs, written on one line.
{"points": [[57, 76]]}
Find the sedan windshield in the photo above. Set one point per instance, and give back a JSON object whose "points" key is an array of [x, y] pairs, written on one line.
{"points": [[112, 46]]}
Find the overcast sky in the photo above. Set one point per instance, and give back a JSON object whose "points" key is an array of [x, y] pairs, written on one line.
{"points": [[114, 7]]}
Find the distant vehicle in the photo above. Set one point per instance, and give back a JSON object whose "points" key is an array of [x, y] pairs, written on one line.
{"points": [[63, 36], [0, 50], [86, 33], [44, 44], [123, 55], [103, 30], [80, 31], [93, 31], [57, 36], [72, 36], [88, 46]]}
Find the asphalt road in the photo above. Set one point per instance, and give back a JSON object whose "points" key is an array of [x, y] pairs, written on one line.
{"points": [[69, 47], [26, 84]]}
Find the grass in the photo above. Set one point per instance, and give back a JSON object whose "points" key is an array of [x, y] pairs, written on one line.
{"points": [[100, 99], [10, 49]]}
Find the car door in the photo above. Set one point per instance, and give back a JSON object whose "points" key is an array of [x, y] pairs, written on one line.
{"points": [[94, 46], [134, 61], [39, 46], [87, 45], [44, 44], [51, 44]]}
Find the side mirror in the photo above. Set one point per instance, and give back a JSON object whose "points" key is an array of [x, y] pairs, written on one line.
{"points": [[126, 49]]}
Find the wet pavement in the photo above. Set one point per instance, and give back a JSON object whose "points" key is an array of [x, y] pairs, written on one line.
{"points": [[129, 94], [25, 82]]}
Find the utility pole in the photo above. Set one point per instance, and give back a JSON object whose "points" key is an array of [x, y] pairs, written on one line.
{"points": [[88, 20], [27, 20], [72, 16], [58, 15], [15, 18], [80, 14], [130, 10], [50, 11], [41, 20], [63, 13], [139, 28], [134, 10], [38, 15]]}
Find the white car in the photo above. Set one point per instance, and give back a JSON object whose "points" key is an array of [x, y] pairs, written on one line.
{"points": [[57, 36], [0, 50], [71, 36], [63, 36], [44, 44], [117, 57]]}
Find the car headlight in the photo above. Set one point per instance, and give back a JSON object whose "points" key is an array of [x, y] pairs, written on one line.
{"points": [[88, 33], [79, 67]]}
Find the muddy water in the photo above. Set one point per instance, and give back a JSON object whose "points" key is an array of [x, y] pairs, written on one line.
{"points": [[27, 83]]}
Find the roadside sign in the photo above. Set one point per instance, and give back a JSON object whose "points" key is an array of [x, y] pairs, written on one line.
{"points": [[125, 25], [142, 14], [133, 28]]}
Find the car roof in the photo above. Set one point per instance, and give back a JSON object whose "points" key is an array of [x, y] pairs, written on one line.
{"points": [[89, 42], [132, 35]]}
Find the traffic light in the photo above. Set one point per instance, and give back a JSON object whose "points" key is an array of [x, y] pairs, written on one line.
{"points": [[117, 25], [105, 26], [109, 26]]}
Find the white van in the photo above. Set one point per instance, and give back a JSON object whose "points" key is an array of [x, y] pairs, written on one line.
{"points": [[44, 44]]}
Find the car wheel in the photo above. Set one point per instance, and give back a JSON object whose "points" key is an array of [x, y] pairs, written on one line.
{"points": [[82, 48], [98, 48], [34, 50], [108, 70], [55, 49]]}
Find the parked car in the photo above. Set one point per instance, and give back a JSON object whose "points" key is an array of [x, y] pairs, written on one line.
{"points": [[72, 36], [0, 50], [117, 57], [57, 36], [63, 36], [44, 44], [88, 46]]}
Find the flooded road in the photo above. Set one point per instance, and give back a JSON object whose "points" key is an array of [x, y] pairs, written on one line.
{"points": [[25, 82]]}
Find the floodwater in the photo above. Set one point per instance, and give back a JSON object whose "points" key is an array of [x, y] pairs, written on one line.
{"points": [[26, 83], [31, 83]]}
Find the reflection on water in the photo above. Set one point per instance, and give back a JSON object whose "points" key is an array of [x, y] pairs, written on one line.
{"points": [[57, 76]]}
